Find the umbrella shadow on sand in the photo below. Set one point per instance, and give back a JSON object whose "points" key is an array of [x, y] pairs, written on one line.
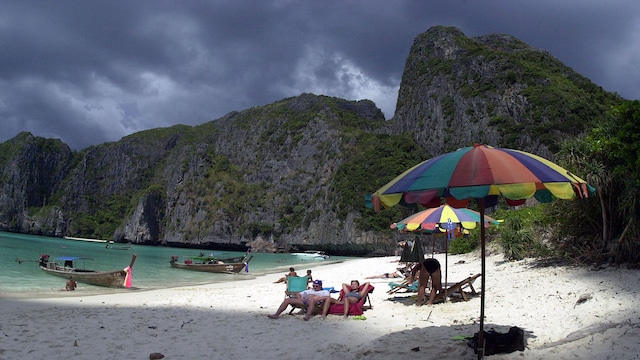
{"points": [[409, 298], [483, 173], [433, 342]]}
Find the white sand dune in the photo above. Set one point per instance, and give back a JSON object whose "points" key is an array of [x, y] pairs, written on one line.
{"points": [[229, 320]]}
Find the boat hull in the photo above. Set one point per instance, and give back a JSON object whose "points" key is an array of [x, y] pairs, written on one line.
{"points": [[99, 278], [114, 278], [312, 255], [115, 247], [226, 268]]}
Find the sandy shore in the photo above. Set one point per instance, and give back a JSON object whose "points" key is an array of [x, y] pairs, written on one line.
{"points": [[229, 320]]}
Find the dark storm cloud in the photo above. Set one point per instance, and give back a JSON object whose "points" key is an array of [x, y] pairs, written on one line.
{"points": [[92, 72]]}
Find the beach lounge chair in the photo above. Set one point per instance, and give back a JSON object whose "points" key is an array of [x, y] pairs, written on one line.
{"points": [[296, 284], [459, 289], [406, 285], [354, 308]]}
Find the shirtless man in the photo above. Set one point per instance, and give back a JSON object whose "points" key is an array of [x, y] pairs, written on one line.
{"points": [[71, 284], [292, 272]]}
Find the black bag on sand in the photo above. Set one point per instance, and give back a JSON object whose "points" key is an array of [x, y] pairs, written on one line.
{"points": [[498, 343]]}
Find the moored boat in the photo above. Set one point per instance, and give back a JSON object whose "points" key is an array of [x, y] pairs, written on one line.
{"points": [[312, 254], [68, 267], [114, 246], [212, 264]]}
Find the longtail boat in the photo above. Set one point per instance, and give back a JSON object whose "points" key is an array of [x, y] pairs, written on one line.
{"points": [[212, 264], [67, 266]]}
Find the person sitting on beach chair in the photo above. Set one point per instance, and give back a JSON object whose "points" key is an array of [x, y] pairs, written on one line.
{"points": [[353, 293], [309, 298]]}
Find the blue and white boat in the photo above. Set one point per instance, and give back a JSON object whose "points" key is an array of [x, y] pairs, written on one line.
{"points": [[312, 254]]}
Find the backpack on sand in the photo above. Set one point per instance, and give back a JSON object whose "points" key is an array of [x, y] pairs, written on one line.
{"points": [[498, 343]]}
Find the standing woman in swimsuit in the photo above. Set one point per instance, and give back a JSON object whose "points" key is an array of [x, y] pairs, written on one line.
{"points": [[429, 268]]}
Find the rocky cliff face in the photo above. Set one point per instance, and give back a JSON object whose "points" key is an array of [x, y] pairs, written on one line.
{"points": [[494, 89], [270, 176], [33, 171], [261, 174]]}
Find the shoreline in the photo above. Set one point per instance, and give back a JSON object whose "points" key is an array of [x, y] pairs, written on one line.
{"points": [[229, 319], [92, 290]]}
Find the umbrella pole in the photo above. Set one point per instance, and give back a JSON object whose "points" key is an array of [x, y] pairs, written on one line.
{"points": [[480, 343], [446, 265]]}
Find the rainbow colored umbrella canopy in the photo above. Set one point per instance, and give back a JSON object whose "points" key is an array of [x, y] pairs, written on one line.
{"points": [[479, 172], [482, 172], [429, 219]]}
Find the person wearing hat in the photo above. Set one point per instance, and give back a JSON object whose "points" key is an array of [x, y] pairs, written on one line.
{"points": [[309, 298]]}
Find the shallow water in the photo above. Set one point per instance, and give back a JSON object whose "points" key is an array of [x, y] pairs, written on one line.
{"points": [[20, 275]]}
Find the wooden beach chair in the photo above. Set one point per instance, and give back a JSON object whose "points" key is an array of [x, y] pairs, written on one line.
{"points": [[462, 289]]}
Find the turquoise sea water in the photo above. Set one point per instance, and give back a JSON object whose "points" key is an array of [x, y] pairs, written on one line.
{"points": [[150, 271]]}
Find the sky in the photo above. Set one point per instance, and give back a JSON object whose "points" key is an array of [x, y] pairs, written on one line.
{"points": [[90, 72]]}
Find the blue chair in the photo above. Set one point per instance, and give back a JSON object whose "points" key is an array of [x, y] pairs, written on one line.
{"points": [[296, 284], [409, 287]]}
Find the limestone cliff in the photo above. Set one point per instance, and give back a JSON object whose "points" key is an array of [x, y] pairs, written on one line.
{"points": [[293, 174], [494, 89]]}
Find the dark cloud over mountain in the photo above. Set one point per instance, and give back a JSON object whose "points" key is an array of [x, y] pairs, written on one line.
{"points": [[89, 72]]}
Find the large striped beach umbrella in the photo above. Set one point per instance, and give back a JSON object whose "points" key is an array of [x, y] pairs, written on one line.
{"points": [[440, 217], [443, 218], [484, 173]]}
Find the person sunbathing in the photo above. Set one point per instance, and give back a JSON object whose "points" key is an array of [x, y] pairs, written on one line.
{"points": [[400, 273], [392, 275], [352, 294]]}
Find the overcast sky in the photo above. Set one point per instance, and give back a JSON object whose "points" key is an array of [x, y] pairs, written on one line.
{"points": [[89, 72]]}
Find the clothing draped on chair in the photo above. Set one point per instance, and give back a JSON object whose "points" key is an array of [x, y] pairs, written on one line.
{"points": [[407, 284]]}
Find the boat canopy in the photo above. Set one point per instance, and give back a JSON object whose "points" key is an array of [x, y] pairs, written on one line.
{"points": [[73, 258]]}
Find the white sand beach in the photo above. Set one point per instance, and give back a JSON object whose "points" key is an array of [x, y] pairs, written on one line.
{"points": [[229, 320]]}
